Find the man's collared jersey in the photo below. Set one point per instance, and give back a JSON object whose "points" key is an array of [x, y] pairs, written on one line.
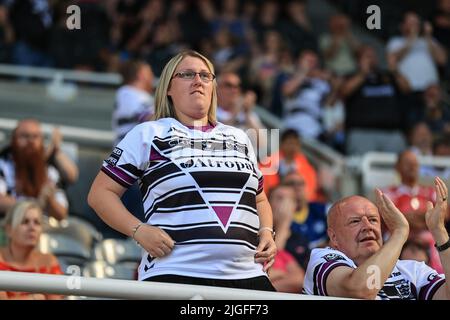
{"points": [[409, 280]]}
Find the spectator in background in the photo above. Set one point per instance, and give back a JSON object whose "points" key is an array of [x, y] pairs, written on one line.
{"points": [[286, 273], [265, 65], [126, 20], [418, 55], [421, 139], [141, 31], [290, 158], [283, 201], [134, 105], [296, 27], [373, 116], [267, 19], [67, 169], [237, 108], [333, 116], [225, 53], [23, 224], [415, 250], [26, 172], [441, 25], [411, 198], [193, 26], [339, 47], [32, 22], [134, 100], [81, 49], [6, 34], [417, 52], [310, 218], [441, 148], [229, 18], [436, 112], [304, 93], [286, 69], [164, 44]]}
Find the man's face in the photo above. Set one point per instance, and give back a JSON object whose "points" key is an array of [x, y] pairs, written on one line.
{"points": [[28, 137], [297, 182], [290, 147], [356, 229], [422, 136], [228, 91], [411, 23], [408, 167]]}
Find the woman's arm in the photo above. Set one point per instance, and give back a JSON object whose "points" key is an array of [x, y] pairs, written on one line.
{"points": [[104, 198], [266, 250]]}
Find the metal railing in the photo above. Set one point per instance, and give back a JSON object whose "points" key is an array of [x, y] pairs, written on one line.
{"points": [[99, 78], [129, 289]]}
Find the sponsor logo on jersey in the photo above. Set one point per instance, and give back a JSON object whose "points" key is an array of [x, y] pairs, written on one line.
{"points": [[333, 256]]}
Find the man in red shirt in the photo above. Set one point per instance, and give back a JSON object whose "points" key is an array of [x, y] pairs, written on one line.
{"points": [[411, 199]]}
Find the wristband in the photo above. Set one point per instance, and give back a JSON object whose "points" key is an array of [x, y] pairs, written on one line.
{"points": [[443, 246]]}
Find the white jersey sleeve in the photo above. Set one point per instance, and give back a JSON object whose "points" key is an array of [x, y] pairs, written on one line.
{"points": [[426, 281], [130, 157], [254, 161], [321, 263]]}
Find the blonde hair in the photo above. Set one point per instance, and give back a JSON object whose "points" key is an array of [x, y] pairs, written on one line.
{"points": [[16, 213], [163, 104]]}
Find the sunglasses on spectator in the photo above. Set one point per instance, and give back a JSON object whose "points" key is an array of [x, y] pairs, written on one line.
{"points": [[205, 76]]}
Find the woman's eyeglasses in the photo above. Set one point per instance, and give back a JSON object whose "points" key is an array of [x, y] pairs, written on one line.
{"points": [[190, 75]]}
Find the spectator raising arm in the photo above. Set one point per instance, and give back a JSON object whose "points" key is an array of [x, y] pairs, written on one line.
{"points": [[354, 283]]}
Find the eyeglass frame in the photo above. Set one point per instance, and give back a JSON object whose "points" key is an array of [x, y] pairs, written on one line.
{"points": [[177, 75]]}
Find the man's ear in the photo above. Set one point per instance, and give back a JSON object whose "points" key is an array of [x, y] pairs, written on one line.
{"points": [[332, 236]]}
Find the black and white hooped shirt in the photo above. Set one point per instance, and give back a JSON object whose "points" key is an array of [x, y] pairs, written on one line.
{"points": [[409, 280], [200, 187]]}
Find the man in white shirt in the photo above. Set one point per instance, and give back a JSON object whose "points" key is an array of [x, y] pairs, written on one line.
{"points": [[236, 108], [359, 265], [418, 55], [134, 101], [134, 104]]}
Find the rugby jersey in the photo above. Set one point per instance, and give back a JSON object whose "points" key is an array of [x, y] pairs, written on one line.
{"points": [[132, 106], [200, 187], [409, 280]]}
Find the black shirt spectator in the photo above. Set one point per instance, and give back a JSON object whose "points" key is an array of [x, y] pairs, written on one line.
{"points": [[372, 106]]}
